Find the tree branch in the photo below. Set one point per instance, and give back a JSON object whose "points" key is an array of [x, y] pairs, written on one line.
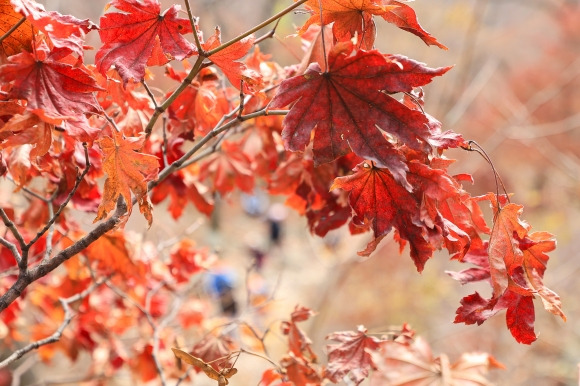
{"points": [[193, 22], [53, 218], [25, 278], [257, 28], [55, 337], [12, 29], [10, 225], [151, 96], [13, 249], [161, 109]]}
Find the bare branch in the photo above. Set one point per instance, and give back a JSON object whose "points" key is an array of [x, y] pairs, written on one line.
{"points": [[257, 28], [10, 225], [12, 29], [12, 248], [269, 34], [220, 127], [55, 337], [151, 96], [22, 369], [26, 190], [54, 217], [29, 276], [161, 109], [164, 145]]}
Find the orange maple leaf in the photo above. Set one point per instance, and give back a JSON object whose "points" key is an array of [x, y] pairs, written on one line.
{"points": [[355, 17], [127, 171], [350, 18], [21, 38]]}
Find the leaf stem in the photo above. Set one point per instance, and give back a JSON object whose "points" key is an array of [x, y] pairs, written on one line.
{"points": [[322, 37], [192, 21], [257, 28], [498, 180]]}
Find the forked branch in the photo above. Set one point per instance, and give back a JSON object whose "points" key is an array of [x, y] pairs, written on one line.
{"points": [[55, 337]]}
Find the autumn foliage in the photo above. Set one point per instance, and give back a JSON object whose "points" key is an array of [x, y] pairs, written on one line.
{"points": [[343, 134]]}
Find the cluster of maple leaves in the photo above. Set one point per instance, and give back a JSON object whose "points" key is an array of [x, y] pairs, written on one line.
{"points": [[355, 147]]}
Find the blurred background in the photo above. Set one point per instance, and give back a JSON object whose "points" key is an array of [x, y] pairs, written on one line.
{"points": [[514, 90]]}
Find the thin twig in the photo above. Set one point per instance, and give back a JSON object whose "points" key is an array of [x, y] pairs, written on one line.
{"points": [[22, 369], [156, 339], [217, 130], [263, 357], [498, 180], [151, 96], [112, 121], [13, 249], [78, 181], [26, 277], [165, 105], [50, 233], [12, 29], [193, 22], [242, 99], [183, 376], [257, 336], [269, 34], [164, 145], [257, 28], [55, 337], [10, 225], [415, 100], [26, 190]]}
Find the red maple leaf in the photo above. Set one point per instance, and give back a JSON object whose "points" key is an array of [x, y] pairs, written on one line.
{"points": [[139, 33], [201, 105], [377, 198], [212, 348], [405, 18], [64, 31], [350, 356], [21, 38], [477, 257], [27, 128], [298, 343], [515, 262], [227, 61], [347, 106], [187, 259], [300, 371], [55, 86], [179, 186], [228, 168]]}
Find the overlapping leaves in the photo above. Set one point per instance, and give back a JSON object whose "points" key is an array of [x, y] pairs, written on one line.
{"points": [[355, 18], [514, 261], [347, 106]]}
